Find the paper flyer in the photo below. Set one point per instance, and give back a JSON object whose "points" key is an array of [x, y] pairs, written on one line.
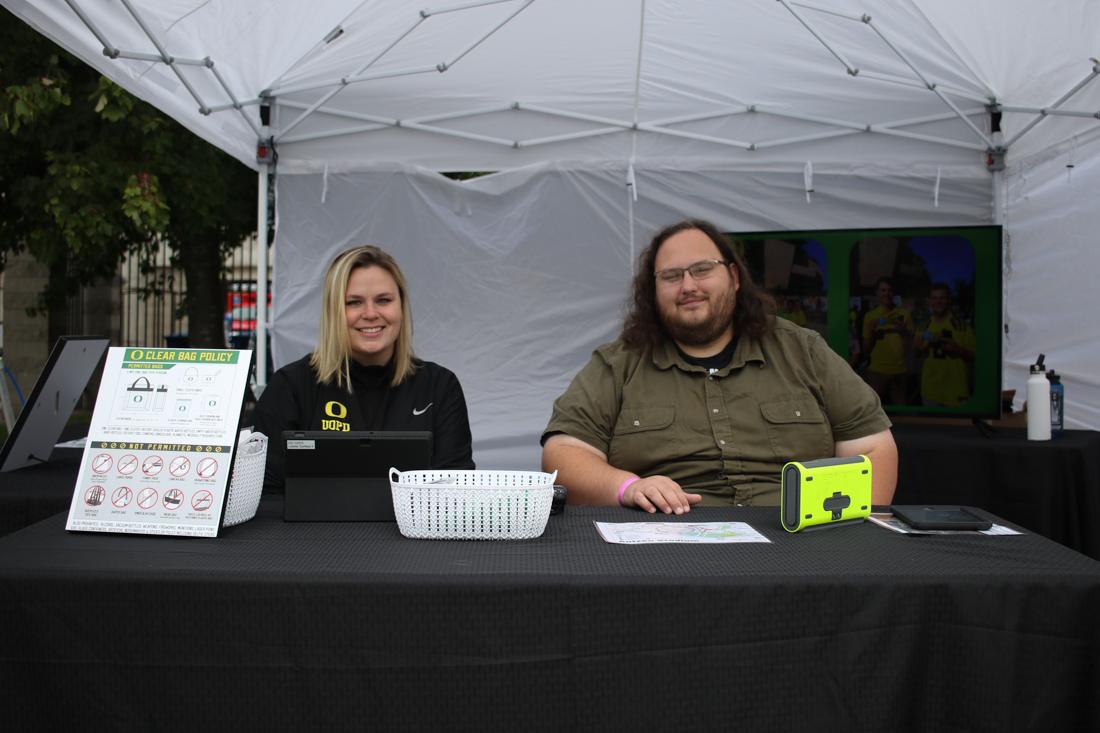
{"points": [[697, 533], [159, 449]]}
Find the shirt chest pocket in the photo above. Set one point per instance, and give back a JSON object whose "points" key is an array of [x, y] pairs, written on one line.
{"points": [[797, 429], [642, 433]]}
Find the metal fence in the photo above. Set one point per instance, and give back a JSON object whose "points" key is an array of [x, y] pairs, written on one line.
{"points": [[151, 295]]}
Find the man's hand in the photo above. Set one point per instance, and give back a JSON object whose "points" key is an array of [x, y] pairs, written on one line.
{"points": [[661, 493]]}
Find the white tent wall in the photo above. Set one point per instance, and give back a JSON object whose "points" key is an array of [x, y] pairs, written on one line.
{"points": [[514, 278], [1052, 260]]}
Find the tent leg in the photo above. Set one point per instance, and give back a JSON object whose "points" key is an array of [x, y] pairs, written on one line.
{"points": [[998, 198], [261, 281]]}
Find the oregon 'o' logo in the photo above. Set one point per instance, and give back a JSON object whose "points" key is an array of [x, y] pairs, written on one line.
{"points": [[335, 409]]}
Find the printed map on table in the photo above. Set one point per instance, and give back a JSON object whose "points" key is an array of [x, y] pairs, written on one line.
{"points": [[698, 533]]}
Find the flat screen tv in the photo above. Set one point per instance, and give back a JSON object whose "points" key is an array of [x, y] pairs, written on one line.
{"points": [[916, 312]]}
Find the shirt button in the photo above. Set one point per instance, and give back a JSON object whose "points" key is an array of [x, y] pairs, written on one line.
{"points": [[797, 413], [722, 442], [715, 410], [637, 423]]}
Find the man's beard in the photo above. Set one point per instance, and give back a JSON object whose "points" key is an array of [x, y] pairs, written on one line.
{"points": [[706, 331]]}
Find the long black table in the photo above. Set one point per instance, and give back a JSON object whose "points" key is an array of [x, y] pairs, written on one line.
{"points": [[30, 494], [337, 626], [1051, 487]]}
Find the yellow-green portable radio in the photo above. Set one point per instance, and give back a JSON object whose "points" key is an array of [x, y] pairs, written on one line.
{"points": [[825, 492]]}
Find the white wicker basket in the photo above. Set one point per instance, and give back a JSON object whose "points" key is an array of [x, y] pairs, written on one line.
{"points": [[472, 505], [248, 479]]}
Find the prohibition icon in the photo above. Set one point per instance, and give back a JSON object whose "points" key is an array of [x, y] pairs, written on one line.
{"points": [[152, 465], [122, 496], [94, 495], [102, 463], [127, 464], [206, 468], [147, 498], [173, 498], [202, 500], [179, 466]]}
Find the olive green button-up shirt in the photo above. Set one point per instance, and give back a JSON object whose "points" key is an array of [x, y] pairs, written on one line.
{"points": [[724, 433]]}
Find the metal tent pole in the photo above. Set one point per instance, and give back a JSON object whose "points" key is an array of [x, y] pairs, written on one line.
{"points": [[998, 197], [631, 180], [261, 280]]}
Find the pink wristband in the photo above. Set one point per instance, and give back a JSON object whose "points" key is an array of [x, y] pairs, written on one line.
{"points": [[623, 486]]}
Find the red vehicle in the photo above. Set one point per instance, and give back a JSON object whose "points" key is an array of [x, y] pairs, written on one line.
{"points": [[240, 313]]}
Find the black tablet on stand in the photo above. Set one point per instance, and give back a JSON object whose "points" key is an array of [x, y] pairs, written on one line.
{"points": [[51, 402]]}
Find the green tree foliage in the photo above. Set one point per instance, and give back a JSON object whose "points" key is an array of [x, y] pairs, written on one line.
{"points": [[90, 173]]}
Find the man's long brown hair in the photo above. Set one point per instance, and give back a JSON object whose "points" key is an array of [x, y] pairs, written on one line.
{"points": [[753, 314]]}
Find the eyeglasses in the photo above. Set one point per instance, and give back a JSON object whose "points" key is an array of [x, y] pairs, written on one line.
{"points": [[700, 270]]}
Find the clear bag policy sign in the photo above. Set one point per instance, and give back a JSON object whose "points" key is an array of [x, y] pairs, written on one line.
{"points": [[161, 442]]}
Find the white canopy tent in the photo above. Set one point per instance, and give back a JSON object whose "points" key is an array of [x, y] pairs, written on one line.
{"points": [[608, 120]]}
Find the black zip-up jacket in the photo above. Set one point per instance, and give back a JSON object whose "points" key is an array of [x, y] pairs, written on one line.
{"points": [[431, 399]]}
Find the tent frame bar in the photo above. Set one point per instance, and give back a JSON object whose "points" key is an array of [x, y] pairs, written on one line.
{"points": [[234, 105], [108, 50], [901, 81], [113, 52], [828, 11], [1048, 111], [1052, 112], [610, 126], [929, 138], [932, 86], [700, 116], [164, 55], [360, 74], [606, 125], [340, 84], [567, 136], [854, 71], [136, 56], [429, 12], [811, 137]]}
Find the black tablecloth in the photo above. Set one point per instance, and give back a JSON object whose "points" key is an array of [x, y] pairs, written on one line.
{"points": [[1051, 487], [30, 494], [338, 626]]}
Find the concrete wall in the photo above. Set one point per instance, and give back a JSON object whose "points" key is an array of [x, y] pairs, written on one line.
{"points": [[26, 339]]}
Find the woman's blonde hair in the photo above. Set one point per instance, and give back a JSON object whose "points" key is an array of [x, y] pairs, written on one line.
{"points": [[330, 360]]}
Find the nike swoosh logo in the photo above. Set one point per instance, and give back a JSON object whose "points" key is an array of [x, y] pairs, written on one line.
{"points": [[421, 411]]}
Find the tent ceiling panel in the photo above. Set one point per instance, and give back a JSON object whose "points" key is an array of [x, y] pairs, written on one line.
{"points": [[856, 62]]}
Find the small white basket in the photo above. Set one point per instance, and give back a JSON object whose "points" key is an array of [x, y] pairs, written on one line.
{"points": [[472, 505], [248, 479]]}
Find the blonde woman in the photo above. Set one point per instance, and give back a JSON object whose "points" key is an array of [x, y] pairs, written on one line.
{"points": [[363, 374]]}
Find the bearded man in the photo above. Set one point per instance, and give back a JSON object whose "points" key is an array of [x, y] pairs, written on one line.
{"points": [[706, 394]]}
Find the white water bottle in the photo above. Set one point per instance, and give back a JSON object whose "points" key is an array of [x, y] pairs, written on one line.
{"points": [[1038, 402]]}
